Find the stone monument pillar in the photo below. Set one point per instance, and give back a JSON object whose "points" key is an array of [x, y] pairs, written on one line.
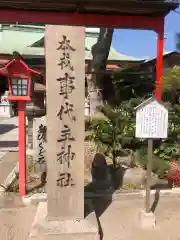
{"points": [[62, 217], [39, 144]]}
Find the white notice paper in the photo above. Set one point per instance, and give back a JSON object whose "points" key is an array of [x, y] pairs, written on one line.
{"points": [[152, 121]]}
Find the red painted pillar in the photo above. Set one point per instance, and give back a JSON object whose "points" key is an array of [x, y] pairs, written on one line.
{"points": [[22, 148], [159, 59]]}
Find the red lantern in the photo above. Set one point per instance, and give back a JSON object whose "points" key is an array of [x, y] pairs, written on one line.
{"points": [[20, 88], [19, 80]]}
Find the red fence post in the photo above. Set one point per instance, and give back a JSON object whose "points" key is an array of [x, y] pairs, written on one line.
{"points": [[159, 60]]}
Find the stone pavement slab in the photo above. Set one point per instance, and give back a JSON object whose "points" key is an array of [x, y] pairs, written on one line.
{"points": [[9, 134], [120, 220], [9, 141], [7, 164], [13, 120], [15, 223], [11, 200]]}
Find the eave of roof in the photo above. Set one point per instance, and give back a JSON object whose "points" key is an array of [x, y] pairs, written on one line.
{"points": [[165, 54], [120, 7], [39, 52]]}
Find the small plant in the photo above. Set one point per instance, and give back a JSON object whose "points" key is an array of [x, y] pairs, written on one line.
{"points": [[167, 152], [171, 84]]}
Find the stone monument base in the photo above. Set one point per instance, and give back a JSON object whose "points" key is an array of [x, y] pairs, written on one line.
{"points": [[147, 220], [42, 229]]}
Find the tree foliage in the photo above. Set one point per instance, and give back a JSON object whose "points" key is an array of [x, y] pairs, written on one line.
{"points": [[171, 85], [130, 82], [100, 53], [115, 134]]}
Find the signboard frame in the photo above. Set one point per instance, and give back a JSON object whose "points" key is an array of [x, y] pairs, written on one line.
{"points": [[152, 124]]}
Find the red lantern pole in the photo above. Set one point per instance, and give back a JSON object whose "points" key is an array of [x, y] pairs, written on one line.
{"points": [[22, 147], [15, 69], [159, 61]]}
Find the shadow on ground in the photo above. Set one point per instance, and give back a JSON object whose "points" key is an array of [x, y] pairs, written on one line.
{"points": [[158, 187], [105, 180], [5, 128], [156, 200], [161, 186]]}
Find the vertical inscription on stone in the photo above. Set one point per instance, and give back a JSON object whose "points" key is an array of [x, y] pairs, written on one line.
{"points": [[65, 74], [39, 141], [67, 85], [41, 138]]}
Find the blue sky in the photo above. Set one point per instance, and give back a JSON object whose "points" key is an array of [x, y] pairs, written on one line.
{"points": [[141, 43]]}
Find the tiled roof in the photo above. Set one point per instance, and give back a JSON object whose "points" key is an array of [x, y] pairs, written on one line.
{"points": [[165, 53], [20, 38], [14, 39]]}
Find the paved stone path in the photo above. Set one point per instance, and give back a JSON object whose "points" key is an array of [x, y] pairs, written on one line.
{"points": [[9, 134], [15, 223], [8, 146], [119, 221], [7, 164]]}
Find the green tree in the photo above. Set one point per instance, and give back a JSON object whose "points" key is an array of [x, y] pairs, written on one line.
{"points": [[168, 149], [171, 85], [129, 83], [115, 133], [100, 53]]}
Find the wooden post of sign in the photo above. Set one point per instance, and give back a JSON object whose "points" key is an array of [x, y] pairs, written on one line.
{"points": [[149, 170], [151, 123]]}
